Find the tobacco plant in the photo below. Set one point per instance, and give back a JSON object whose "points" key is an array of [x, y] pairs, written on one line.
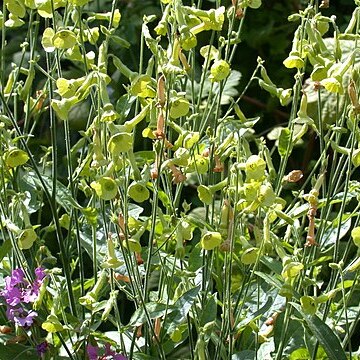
{"points": [[159, 222]]}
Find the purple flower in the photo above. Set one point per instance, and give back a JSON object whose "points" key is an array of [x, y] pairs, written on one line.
{"points": [[92, 352], [42, 348], [20, 317], [19, 291]]}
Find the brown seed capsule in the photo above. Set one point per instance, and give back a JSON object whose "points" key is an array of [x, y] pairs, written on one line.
{"points": [[219, 167], [5, 329], [293, 176], [159, 133], [324, 4], [161, 91]]}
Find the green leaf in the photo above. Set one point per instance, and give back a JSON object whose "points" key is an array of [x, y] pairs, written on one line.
{"points": [[284, 140], [63, 195], [182, 307], [153, 310], [5, 248], [324, 334]]}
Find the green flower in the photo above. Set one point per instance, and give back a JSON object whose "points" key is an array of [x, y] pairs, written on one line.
{"points": [[355, 234], [333, 85], [105, 188], [15, 157], [219, 70], [210, 240], [255, 167], [138, 192], [64, 39], [132, 245], [26, 238], [250, 255], [294, 61], [119, 143], [179, 107]]}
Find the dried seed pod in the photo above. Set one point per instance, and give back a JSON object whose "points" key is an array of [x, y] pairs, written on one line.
{"points": [[293, 176]]}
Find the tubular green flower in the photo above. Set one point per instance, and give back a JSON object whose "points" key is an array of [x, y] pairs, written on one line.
{"points": [[210, 240], [219, 71], [105, 188]]}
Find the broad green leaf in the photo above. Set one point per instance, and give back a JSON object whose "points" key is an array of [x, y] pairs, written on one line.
{"points": [[63, 195], [324, 334], [152, 310], [182, 307]]}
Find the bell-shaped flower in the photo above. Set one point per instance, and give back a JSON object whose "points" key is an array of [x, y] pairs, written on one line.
{"points": [[15, 157], [210, 240], [255, 167], [120, 143], [106, 188], [294, 61], [219, 70], [138, 191], [16, 7], [132, 245], [109, 114], [179, 107], [143, 86], [26, 238], [63, 106], [64, 39], [111, 262]]}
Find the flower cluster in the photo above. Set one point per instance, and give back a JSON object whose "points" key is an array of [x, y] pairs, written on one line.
{"points": [[93, 353], [18, 292]]}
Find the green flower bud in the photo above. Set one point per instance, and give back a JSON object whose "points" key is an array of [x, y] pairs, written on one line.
{"points": [[255, 167], [250, 255], [210, 240], [219, 70], [15, 157], [179, 107], [308, 304], [143, 86], [64, 39], [138, 192], [132, 245], [291, 270], [333, 85], [26, 238], [267, 196], [52, 324], [109, 114], [187, 40], [355, 234], [105, 188], [119, 143], [294, 61]]}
